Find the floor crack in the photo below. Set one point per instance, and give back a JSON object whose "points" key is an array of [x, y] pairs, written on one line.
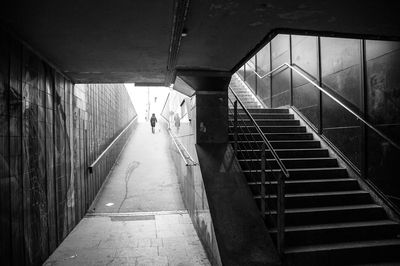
{"points": [[132, 166]]}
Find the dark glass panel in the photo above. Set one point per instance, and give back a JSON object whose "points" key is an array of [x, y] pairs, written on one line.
{"points": [[280, 53], [338, 54], [374, 49], [382, 161], [264, 82], [280, 89], [347, 85], [250, 75], [341, 73], [306, 100], [342, 129], [305, 56], [240, 72], [305, 59], [341, 67], [280, 46], [383, 94]]}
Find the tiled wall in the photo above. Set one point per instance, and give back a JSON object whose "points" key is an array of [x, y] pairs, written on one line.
{"points": [[50, 131]]}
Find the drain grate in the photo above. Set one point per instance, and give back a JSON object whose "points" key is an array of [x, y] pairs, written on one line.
{"points": [[132, 218]]}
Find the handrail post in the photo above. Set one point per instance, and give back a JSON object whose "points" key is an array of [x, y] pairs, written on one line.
{"points": [[235, 137], [262, 180], [280, 213]]}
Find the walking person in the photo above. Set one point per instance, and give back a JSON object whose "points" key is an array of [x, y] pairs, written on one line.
{"points": [[177, 122], [153, 121]]}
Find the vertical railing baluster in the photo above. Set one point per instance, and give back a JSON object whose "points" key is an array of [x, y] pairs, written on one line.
{"points": [[254, 174], [262, 180], [235, 128], [280, 213]]}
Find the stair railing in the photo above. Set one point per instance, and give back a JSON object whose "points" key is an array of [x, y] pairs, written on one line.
{"points": [[254, 152], [183, 152], [305, 75], [342, 102]]}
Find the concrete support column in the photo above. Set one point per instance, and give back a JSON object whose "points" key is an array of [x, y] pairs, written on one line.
{"points": [[211, 104], [211, 117]]}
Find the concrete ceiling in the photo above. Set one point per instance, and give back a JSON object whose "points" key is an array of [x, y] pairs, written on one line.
{"points": [[133, 41]]}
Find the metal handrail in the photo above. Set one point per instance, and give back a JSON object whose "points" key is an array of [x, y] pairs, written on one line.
{"points": [[272, 71], [194, 163], [165, 120], [286, 65], [162, 110], [188, 154], [177, 146], [179, 150], [280, 210], [264, 138], [111, 144]]}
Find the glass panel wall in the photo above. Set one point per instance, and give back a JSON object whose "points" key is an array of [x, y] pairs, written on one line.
{"points": [[341, 74], [264, 81], [240, 72], [305, 95], [250, 76], [383, 110], [280, 53], [362, 74]]}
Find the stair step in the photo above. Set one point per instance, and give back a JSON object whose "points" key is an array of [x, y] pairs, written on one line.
{"points": [[307, 173], [329, 215], [280, 144], [266, 116], [319, 199], [338, 246], [273, 136], [312, 185], [244, 121], [239, 90], [291, 163], [339, 232], [243, 96], [375, 251], [267, 110], [251, 105], [285, 153], [273, 129]]}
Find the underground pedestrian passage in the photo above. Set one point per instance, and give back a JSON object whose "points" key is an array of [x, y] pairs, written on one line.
{"points": [[276, 139]]}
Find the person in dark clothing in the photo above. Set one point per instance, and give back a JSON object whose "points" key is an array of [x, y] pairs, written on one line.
{"points": [[153, 121], [177, 122]]}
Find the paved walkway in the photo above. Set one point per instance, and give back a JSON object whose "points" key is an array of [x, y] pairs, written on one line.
{"points": [[145, 177], [139, 218]]}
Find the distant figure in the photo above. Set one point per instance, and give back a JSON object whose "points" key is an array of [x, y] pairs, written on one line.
{"points": [[177, 122], [153, 121]]}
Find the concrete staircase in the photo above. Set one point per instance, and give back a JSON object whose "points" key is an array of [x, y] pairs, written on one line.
{"points": [[247, 97], [330, 219]]}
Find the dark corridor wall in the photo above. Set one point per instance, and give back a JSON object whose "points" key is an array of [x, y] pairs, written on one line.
{"points": [[50, 131]]}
